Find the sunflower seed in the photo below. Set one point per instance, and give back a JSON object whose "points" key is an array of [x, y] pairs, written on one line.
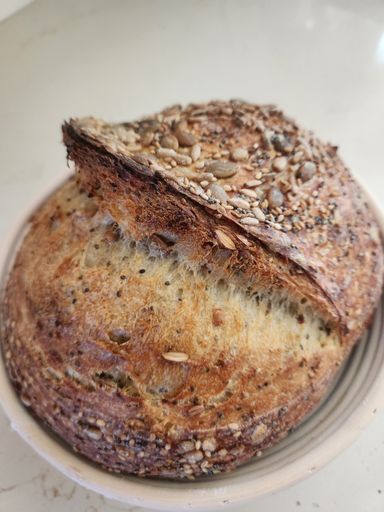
{"points": [[185, 171], [146, 138], [280, 163], [266, 139], [250, 193], [275, 197], [209, 445], [225, 240], [185, 138], [306, 148], [194, 456], [306, 171], [297, 157], [239, 154], [237, 202], [282, 143], [126, 136], [143, 158], [222, 169], [195, 152], [156, 167], [259, 214], [249, 221], [177, 357], [185, 446], [206, 176], [182, 159], [166, 152], [169, 141], [218, 192]]}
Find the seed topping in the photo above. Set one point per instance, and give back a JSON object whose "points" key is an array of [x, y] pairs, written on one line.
{"points": [[176, 357]]}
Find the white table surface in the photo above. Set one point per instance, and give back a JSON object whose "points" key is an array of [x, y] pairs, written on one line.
{"points": [[322, 61]]}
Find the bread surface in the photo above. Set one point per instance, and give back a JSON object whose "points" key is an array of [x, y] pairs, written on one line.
{"points": [[173, 313]]}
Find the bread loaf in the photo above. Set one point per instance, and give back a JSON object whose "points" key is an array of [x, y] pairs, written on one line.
{"points": [[185, 300]]}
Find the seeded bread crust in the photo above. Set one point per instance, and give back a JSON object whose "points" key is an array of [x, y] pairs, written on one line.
{"points": [[328, 232], [154, 330]]}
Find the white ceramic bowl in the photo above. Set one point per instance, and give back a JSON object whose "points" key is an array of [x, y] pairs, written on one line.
{"points": [[356, 395]]}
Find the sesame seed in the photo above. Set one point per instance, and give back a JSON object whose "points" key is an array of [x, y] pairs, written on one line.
{"points": [[253, 183], [195, 410], [177, 357]]}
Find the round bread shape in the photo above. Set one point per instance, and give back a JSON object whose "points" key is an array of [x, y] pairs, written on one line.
{"points": [[186, 299]]}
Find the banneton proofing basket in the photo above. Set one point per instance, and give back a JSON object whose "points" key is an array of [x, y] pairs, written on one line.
{"points": [[352, 402]]}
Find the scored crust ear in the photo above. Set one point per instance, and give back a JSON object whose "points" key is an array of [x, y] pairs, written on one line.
{"points": [[146, 205], [313, 259]]}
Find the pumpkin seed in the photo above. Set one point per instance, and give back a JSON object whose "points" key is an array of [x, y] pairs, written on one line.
{"points": [[222, 169], [169, 141]]}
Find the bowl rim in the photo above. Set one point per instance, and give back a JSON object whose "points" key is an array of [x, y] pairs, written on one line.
{"points": [[174, 496]]}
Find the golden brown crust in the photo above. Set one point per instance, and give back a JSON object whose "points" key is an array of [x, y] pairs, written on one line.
{"points": [[96, 361], [328, 231], [159, 335]]}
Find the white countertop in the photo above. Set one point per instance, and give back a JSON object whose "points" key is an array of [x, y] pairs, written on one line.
{"points": [[323, 62]]}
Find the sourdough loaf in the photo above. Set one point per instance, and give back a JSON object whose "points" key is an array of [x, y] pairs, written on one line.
{"points": [[186, 298]]}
